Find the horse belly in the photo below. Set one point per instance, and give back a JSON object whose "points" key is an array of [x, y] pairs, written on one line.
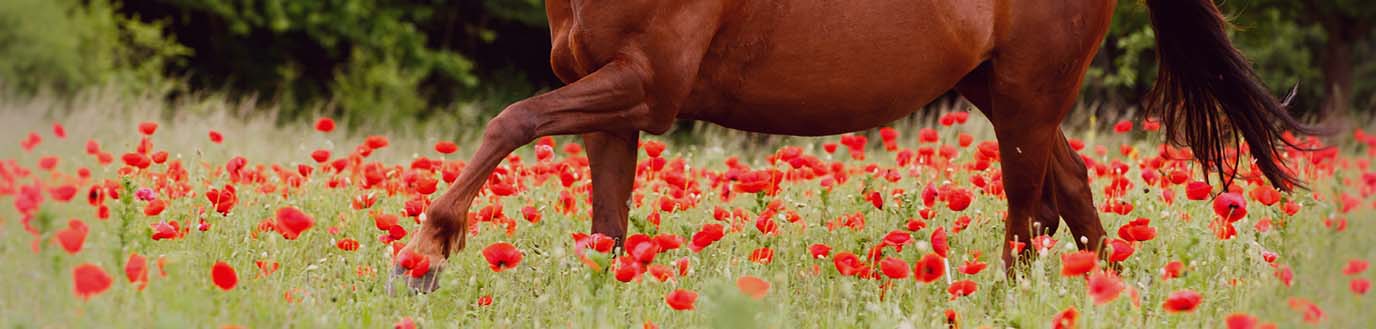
{"points": [[819, 68]]}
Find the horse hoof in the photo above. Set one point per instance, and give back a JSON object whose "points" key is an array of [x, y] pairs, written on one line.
{"points": [[423, 285]]}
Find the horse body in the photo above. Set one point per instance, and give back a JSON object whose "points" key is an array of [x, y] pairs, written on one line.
{"points": [[827, 67]]}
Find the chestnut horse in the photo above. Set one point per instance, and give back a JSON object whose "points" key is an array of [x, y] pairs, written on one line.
{"points": [[827, 67]]}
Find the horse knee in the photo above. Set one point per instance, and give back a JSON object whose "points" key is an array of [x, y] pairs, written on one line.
{"points": [[511, 128]]}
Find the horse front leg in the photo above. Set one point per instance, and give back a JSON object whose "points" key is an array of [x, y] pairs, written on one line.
{"points": [[611, 99]]}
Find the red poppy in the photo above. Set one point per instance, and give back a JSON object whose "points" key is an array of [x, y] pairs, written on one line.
{"points": [[223, 276], [164, 230], [320, 156], [324, 125], [1104, 287], [849, 264], [89, 280], [413, 263], [1122, 127], [1137, 230], [154, 207], [1230, 206], [1359, 286], [446, 147], [894, 268], [668, 241], [1078, 263], [819, 250], [1355, 267], [1120, 250], [502, 256], [930, 268], [763, 255], [681, 299], [291, 222], [485, 300], [1198, 190], [1172, 270], [939, 244], [962, 288], [347, 244], [897, 239], [376, 142], [1182, 301], [752, 286], [72, 237], [973, 267], [1065, 319], [216, 137], [876, 199], [405, 323], [148, 127], [136, 270], [1240, 321], [957, 199]]}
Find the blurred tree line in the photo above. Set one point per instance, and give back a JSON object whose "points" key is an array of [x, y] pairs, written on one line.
{"points": [[393, 60]]}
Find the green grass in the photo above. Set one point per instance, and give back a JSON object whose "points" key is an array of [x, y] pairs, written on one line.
{"points": [[551, 288]]}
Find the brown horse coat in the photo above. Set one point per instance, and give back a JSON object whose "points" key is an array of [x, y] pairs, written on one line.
{"points": [[828, 67]]}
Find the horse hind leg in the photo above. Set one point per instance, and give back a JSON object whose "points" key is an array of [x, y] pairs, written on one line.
{"points": [[975, 87], [612, 99]]}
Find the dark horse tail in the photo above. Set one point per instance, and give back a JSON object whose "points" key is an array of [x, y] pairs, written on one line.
{"points": [[1207, 94]]}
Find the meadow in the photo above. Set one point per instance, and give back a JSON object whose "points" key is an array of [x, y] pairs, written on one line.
{"points": [[129, 213]]}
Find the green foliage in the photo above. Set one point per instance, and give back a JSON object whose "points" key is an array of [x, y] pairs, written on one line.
{"points": [[65, 46]]}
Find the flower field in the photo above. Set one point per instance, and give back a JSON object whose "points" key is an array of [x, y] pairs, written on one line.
{"points": [[132, 217]]}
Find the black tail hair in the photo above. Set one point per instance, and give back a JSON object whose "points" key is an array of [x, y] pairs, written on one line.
{"points": [[1207, 94]]}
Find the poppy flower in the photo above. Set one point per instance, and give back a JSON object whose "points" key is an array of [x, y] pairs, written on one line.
{"points": [[1285, 274], [89, 280], [752, 286], [446, 147], [763, 255], [1198, 190], [320, 156], [819, 250], [894, 268], [136, 270], [347, 244], [1078, 263], [1172, 270], [973, 267], [405, 323], [957, 199], [1240, 321], [930, 268], [642, 248], [1137, 230], [1122, 127], [1120, 250], [324, 125], [148, 127], [1230, 206], [216, 137], [849, 264], [681, 300], [1355, 267], [154, 207], [1104, 287], [376, 142], [72, 237], [897, 239], [939, 244], [164, 230], [1182, 301], [502, 256], [962, 288], [291, 222], [485, 300], [1359, 286], [668, 241], [223, 276], [413, 263], [1065, 319]]}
